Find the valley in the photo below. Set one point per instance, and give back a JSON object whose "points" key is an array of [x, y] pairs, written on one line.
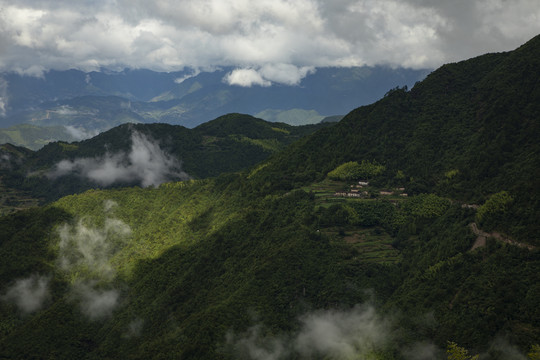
{"points": [[247, 239], [73, 105]]}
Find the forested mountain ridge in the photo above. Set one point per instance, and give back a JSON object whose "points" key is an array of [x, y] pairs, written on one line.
{"points": [[97, 101], [227, 144], [293, 259], [469, 130]]}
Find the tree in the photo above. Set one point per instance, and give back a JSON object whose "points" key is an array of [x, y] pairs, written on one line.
{"points": [[534, 354], [494, 207], [456, 352], [352, 170]]}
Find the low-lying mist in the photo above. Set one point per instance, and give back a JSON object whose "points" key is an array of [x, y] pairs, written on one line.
{"points": [[84, 255], [146, 163], [361, 332], [28, 294]]}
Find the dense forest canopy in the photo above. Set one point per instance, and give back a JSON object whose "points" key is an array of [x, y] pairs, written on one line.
{"points": [[409, 230]]}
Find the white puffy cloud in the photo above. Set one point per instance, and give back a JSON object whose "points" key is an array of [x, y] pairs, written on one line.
{"points": [[246, 78], [285, 73], [267, 74], [276, 34], [146, 163]]}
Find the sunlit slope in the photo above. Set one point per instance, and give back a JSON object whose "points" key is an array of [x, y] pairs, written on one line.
{"points": [[187, 269], [170, 152], [261, 262], [186, 261]]}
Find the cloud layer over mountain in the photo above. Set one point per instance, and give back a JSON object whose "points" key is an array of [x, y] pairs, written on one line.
{"points": [[146, 163], [268, 40]]}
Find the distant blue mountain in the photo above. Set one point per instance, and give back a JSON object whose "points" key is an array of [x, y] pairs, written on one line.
{"points": [[72, 98]]}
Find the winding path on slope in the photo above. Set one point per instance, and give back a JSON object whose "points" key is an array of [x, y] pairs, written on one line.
{"points": [[482, 237]]}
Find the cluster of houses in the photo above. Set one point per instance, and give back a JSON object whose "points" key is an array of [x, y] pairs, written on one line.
{"points": [[356, 191]]}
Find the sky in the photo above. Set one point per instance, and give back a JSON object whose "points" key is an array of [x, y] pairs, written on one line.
{"points": [[265, 40]]}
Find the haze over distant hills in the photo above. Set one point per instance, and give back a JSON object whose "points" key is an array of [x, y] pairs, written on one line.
{"points": [[87, 103], [140, 154], [408, 230]]}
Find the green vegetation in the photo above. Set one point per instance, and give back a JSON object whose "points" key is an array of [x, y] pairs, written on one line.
{"points": [[466, 132], [534, 354], [456, 352], [261, 261], [230, 143], [292, 116], [353, 171], [495, 208], [33, 137]]}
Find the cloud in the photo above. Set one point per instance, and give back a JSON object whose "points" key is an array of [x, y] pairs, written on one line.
{"points": [[169, 35], [28, 294], [246, 78], [96, 303], [3, 96], [422, 351], [285, 73], [500, 348], [5, 161], [66, 110], [146, 163], [266, 75], [193, 73], [134, 328], [86, 250], [342, 334], [357, 333], [79, 133], [85, 254], [109, 205]]}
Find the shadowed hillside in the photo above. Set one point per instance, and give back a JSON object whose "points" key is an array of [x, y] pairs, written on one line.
{"points": [[357, 241]]}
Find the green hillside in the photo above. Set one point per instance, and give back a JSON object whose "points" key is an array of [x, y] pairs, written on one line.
{"points": [[33, 137], [408, 227], [468, 131], [227, 144], [292, 116]]}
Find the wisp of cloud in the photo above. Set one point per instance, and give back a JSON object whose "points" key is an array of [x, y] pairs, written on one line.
{"points": [[3, 96], [88, 250], [80, 133], [95, 303], [356, 333], [28, 294], [146, 163], [85, 253]]}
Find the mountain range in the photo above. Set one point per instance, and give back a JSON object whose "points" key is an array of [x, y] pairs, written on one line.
{"points": [[407, 230], [87, 103], [161, 152]]}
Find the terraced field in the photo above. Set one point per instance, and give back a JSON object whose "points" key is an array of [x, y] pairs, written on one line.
{"points": [[13, 200], [369, 244]]}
